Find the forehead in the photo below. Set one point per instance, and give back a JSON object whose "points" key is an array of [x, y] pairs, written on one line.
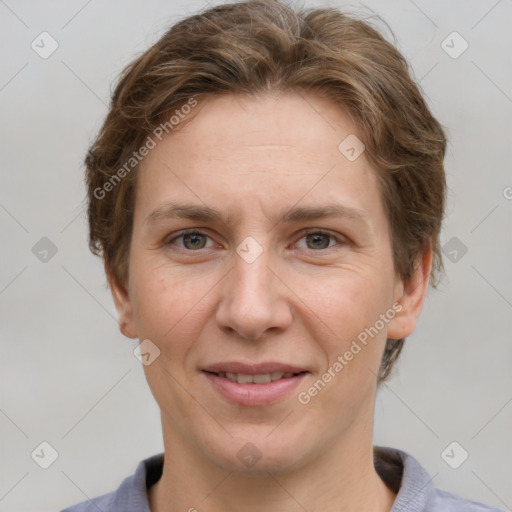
{"points": [[304, 123], [238, 151]]}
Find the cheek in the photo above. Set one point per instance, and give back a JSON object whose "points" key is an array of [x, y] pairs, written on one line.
{"points": [[347, 303], [166, 304], [350, 309], [170, 313]]}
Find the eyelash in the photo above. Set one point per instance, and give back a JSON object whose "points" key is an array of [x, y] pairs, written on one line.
{"points": [[305, 232]]}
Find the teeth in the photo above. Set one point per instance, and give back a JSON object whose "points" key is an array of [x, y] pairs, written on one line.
{"points": [[264, 378], [244, 379]]}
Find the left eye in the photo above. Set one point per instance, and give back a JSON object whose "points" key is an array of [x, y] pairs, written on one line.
{"points": [[318, 240]]}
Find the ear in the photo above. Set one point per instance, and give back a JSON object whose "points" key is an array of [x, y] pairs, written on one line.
{"points": [[411, 296], [123, 305]]}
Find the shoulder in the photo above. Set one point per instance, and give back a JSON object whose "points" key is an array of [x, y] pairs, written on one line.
{"points": [[443, 501], [414, 487], [104, 503], [131, 496]]}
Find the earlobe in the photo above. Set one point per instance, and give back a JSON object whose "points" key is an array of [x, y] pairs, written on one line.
{"points": [[411, 298], [123, 305]]}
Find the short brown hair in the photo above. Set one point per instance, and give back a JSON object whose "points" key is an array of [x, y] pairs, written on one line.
{"points": [[264, 46]]}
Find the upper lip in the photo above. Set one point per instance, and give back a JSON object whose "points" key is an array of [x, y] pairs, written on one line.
{"points": [[253, 369]]}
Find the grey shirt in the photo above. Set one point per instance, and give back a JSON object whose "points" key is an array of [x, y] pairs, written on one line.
{"points": [[399, 470]]}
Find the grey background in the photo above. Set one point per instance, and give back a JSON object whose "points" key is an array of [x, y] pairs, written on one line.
{"points": [[69, 377]]}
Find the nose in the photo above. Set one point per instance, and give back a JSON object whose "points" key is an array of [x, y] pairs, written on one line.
{"points": [[253, 299]]}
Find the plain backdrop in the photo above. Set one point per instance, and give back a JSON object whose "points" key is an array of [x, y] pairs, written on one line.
{"points": [[70, 379]]}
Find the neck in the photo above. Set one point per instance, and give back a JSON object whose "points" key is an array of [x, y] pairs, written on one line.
{"points": [[342, 479]]}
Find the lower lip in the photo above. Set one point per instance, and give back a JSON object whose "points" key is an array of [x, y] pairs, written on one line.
{"points": [[254, 394]]}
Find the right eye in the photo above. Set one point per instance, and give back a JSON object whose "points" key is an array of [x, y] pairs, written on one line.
{"points": [[192, 240]]}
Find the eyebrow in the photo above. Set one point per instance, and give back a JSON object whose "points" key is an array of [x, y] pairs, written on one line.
{"points": [[202, 213]]}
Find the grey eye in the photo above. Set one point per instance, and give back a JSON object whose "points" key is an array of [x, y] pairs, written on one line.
{"points": [[194, 240], [318, 240]]}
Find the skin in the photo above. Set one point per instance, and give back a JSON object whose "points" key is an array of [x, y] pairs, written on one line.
{"points": [[302, 301]]}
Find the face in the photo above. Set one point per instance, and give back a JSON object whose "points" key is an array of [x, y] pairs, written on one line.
{"points": [[260, 256]]}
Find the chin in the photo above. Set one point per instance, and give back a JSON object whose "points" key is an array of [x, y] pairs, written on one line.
{"points": [[260, 453]]}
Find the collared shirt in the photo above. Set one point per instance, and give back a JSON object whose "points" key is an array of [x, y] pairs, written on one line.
{"points": [[399, 470]]}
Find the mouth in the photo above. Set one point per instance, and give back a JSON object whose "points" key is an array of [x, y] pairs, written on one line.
{"points": [[254, 385], [260, 378]]}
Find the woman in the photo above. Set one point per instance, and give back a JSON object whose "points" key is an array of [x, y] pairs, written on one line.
{"points": [[267, 193]]}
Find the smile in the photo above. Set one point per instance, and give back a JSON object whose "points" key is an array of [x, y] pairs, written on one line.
{"points": [[262, 378], [255, 389]]}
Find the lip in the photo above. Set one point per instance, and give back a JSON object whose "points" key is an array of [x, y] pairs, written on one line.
{"points": [[253, 394]]}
